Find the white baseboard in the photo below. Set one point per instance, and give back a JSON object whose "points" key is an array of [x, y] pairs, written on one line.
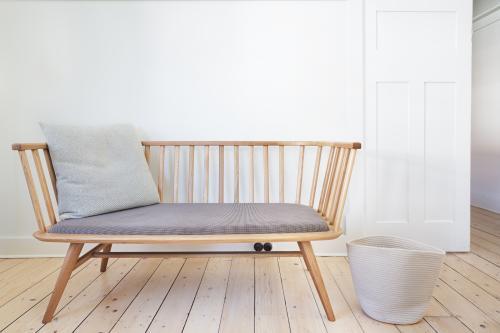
{"points": [[492, 209], [488, 201], [29, 247], [23, 247]]}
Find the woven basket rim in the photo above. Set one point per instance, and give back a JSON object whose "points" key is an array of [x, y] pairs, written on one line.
{"points": [[425, 248]]}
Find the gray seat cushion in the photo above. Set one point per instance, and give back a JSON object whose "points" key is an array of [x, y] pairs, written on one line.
{"points": [[198, 219]]}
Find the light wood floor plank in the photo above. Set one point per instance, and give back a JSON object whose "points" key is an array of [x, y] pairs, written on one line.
{"points": [[487, 228], [29, 276], [477, 296], [420, 327], [490, 246], [479, 235], [436, 309], [483, 211], [270, 308], [483, 225], [484, 220], [26, 267], [488, 217], [238, 312], [7, 264], [483, 280], [341, 273], [31, 321], [109, 310], [142, 310], [303, 313], [30, 297], [206, 312], [482, 264], [461, 308], [174, 311], [485, 254], [76, 311], [447, 325]]}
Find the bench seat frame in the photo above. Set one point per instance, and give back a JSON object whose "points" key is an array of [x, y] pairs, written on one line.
{"points": [[337, 173]]}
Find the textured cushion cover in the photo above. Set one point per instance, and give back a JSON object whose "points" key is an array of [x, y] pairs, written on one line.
{"points": [[198, 219], [99, 169]]}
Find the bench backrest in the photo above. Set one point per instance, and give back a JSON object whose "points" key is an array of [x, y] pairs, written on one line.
{"points": [[178, 165]]}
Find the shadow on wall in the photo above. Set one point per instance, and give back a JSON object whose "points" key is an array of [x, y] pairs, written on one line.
{"points": [[485, 157]]}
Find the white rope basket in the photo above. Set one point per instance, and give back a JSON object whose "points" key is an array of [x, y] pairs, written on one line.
{"points": [[394, 277]]}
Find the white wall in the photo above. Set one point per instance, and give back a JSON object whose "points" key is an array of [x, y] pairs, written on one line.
{"points": [[485, 187], [216, 70], [205, 70]]}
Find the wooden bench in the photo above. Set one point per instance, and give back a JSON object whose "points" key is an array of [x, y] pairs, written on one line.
{"points": [[330, 171]]}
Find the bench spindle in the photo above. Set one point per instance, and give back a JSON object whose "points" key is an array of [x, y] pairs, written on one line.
{"points": [[335, 183], [191, 174], [300, 173], [331, 178], [343, 191], [43, 185], [236, 174], [147, 154], [161, 172], [325, 180], [252, 175], [265, 152], [282, 174], [177, 150], [317, 163], [221, 174], [207, 173], [52, 173], [32, 191]]}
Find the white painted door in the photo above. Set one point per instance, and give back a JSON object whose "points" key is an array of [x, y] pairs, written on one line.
{"points": [[417, 124]]}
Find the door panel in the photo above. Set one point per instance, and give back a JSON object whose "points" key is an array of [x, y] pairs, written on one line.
{"points": [[417, 122]]}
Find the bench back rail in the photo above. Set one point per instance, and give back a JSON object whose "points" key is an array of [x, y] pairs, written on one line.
{"points": [[331, 162]]}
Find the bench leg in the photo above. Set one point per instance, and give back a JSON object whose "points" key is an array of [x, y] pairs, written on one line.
{"points": [[301, 247], [312, 266], [104, 261], [62, 280]]}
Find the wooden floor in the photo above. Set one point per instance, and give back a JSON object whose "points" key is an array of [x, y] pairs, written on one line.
{"points": [[242, 294]]}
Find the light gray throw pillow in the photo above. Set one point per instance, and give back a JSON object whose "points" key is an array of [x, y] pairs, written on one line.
{"points": [[99, 169]]}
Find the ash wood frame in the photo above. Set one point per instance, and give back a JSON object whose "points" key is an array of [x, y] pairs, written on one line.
{"points": [[337, 173]]}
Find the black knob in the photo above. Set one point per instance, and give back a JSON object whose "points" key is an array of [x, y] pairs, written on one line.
{"points": [[258, 247], [268, 246]]}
